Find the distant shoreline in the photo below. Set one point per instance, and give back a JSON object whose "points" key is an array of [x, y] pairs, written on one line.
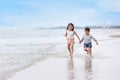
{"points": [[81, 28], [78, 27]]}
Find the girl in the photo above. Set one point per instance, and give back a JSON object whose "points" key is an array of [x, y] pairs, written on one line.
{"points": [[70, 37]]}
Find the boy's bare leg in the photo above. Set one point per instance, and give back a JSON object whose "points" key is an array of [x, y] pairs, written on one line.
{"points": [[90, 51], [85, 49]]}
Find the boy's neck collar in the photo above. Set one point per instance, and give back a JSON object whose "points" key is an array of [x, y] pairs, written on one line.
{"points": [[87, 34]]}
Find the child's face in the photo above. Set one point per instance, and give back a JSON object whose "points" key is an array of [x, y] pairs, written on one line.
{"points": [[87, 32], [70, 27]]}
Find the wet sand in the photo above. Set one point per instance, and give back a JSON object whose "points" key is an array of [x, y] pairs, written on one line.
{"points": [[103, 65], [115, 36]]}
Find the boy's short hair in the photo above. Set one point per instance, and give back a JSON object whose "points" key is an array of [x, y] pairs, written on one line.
{"points": [[87, 29]]}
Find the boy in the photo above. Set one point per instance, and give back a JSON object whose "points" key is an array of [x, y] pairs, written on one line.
{"points": [[87, 41]]}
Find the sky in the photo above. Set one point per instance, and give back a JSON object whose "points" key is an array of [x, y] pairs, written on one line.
{"points": [[49, 13]]}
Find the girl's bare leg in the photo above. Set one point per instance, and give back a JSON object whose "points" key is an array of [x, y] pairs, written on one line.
{"points": [[69, 47], [72, 46]]}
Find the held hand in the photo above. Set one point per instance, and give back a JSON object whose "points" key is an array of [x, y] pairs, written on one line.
{"points": [[80, 42]]}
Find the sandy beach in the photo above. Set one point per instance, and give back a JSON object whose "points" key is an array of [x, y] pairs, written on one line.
{"points": [[115, 36], [103, 65], [47, 40], [46, 58]]}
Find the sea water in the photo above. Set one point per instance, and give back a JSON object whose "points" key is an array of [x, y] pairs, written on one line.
{"points": [[21, 48]]}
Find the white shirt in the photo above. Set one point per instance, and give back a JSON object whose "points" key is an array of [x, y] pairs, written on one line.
{"points": [[70, 34], [87, 38]]}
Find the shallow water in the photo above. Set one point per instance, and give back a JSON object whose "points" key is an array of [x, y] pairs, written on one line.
{"points": [[77, 68], [20, 49]]}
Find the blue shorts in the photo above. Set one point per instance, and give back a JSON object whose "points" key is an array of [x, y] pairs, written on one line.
{"points": [[87, 45]]}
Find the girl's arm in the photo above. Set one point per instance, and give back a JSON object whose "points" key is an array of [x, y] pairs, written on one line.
{"points": [[77, 36], [82, 40], [66, 34]]}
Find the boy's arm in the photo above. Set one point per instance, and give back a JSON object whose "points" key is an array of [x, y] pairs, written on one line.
{"points": [[94, 39], [77, 36]]}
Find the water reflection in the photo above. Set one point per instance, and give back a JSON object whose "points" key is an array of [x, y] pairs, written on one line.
{"points": [[71, 69], [88, 68], [83, 72]]}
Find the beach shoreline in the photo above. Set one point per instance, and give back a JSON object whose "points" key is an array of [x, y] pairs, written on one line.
{"points": [[101, 66], [23, 51]]}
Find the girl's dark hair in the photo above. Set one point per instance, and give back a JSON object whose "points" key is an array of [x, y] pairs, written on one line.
{"points": [[69, 25], [87, 29]]}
